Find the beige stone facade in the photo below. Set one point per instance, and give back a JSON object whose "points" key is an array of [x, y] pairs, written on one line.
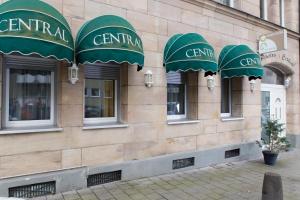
{"points": [[144, 109]]}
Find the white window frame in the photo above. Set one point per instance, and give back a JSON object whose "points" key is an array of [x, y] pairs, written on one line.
{"points": [[184, 116], [282, 13], [225, 115], [264, 9], [231, 3], [26, 123], [100, 120]]}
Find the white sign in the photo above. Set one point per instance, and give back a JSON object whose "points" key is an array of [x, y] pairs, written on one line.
{"points": [[276, 41]]}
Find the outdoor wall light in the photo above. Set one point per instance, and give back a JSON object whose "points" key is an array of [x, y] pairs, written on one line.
{"points": [[287, 82], [73, 74], [148, 78], [210, 82], [252, 84]]}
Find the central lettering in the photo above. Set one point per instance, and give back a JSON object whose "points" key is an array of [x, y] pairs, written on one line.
{"points": [[36, 25], [120, 38], [249, 61], [197, 52]]}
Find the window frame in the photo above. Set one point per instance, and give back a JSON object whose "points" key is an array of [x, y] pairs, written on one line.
{"points": [[27, 63], [264, 9], [179, 117], [231, 3], [264, 14], [100, 120], [229, 114], [282, 12]]}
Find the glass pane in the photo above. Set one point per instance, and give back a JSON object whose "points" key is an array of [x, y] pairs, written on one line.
{"points": [[29, 95], [265, 111], [225, 96], [273, 76], [273, 10], [100, 98], [225, 2], [176, 99]]}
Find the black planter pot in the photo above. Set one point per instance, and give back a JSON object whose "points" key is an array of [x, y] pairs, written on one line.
{"points": [[270, 157]]}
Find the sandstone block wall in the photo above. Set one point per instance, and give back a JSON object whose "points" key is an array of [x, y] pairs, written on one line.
{"points": [[145, 109]]}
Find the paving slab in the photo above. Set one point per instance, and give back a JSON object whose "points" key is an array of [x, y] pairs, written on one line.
{"points": [[230, 181]]}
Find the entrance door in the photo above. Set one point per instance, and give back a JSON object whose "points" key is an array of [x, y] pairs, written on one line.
{"points": [[273, 101]]}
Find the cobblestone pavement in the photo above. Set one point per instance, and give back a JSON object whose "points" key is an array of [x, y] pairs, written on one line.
{"points": [[234, 181]]}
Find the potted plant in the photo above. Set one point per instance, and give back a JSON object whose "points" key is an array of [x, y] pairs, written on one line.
{"points": [[275, 143]]}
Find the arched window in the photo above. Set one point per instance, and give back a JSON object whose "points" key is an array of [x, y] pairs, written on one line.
{"points": [[273, 76]]}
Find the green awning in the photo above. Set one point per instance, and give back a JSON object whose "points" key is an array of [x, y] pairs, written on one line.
{"points": [[109, 38], [184, 52], [238, 61], [33, 27]]}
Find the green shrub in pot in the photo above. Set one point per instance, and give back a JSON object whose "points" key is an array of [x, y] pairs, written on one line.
{"points": [[276, 142]]}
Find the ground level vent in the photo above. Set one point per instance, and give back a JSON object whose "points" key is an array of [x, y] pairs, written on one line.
{"points": [[182, 163], [107, 177], [232, 153], [33, 190]]}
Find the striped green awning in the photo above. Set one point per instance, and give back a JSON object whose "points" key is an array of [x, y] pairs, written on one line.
{"points": [[184, 52], [33, 27], [109, 38], [238, 61]]}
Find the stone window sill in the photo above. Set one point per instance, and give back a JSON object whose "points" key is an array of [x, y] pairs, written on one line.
{"points": [[228, 119], [104, 126], [9, 131], [183, 121]]}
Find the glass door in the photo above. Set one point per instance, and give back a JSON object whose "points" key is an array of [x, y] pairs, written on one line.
{"points": [[273, 105], [265, 112]]}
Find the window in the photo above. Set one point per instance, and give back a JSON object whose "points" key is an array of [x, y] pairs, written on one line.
{"points": [[29, 92], [273, 11], [231, 97], [226, 98], [176, 97], [101, 93], [273, 76], [226, 2]]}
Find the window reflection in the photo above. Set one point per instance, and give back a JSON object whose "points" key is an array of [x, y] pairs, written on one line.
{"points": [[225, 96], [273, 76], [99, 98], [176, 99], [29, 94], [225, 2]]}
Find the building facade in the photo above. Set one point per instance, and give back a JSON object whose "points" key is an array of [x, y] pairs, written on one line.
{"points": [[109, 121]]}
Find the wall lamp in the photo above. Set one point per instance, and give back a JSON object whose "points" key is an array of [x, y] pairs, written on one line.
{"points": [[287, 82], [252, 84], [210, 82], [73, 74], [148, 76]]}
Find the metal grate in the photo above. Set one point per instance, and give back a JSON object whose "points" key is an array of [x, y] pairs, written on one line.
{"points": [[232, 153], [107, 177], [34, 190], [182, 163]]}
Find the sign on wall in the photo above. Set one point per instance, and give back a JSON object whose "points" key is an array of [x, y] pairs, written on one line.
{"points": [[276, 41]]}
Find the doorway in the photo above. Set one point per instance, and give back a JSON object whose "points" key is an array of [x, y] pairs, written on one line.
{"points": [[273, 99]]}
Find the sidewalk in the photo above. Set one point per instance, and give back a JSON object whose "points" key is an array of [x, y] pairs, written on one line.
{"points": [[232, 181]]}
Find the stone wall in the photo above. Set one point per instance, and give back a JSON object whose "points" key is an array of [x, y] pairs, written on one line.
{"points": [[145, 109]]}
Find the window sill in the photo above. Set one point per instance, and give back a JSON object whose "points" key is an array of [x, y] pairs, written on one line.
{"points": [[9, 131], [226, 119], [104, 126], [184, 121]]}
